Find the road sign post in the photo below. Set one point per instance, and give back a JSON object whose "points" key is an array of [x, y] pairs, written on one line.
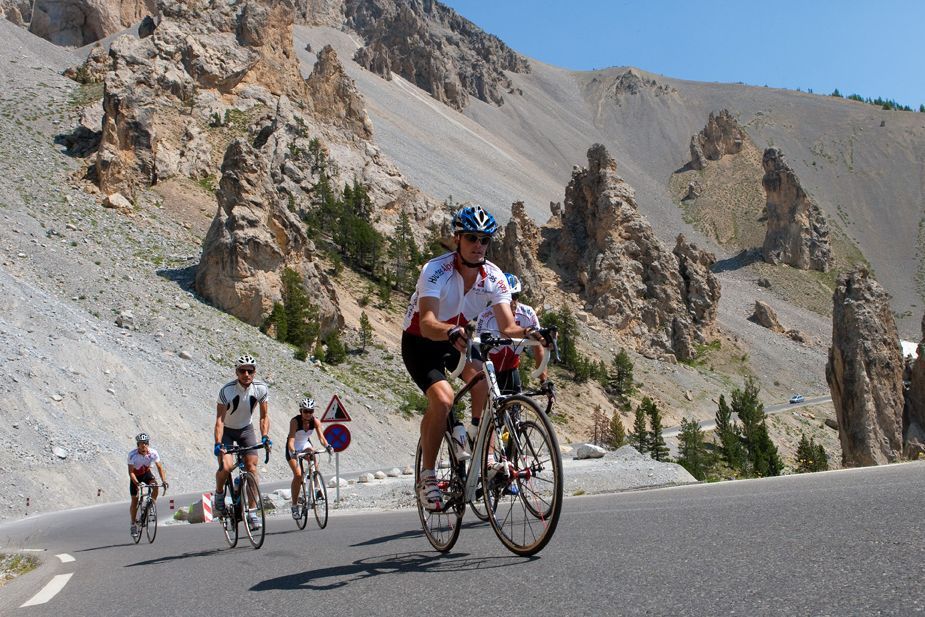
{"points": [[338, 437]]}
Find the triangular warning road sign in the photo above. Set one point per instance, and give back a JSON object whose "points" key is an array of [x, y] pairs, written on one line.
{"points": [[335, 411]]}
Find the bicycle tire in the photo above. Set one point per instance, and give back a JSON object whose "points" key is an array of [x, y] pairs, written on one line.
{"points": [[302, 501], [229, 520], [320, 506], [250, 491], [151, 521], [523, 530], [136, 537], [442, 528]]}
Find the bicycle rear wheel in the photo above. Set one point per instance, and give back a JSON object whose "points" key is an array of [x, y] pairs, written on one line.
{"points": [[522, 472], [320, 499], [442, 527], [229, 520], [252, 506], [151, 521]]}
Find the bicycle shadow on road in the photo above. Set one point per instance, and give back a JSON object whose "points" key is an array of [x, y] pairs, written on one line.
{"points": [[413, 533], [399, 563], [169, 558]]}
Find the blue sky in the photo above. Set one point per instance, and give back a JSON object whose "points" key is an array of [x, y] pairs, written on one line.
{"points": [[872, 48]]}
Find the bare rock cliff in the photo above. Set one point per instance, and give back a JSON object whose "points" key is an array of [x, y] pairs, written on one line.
{"points": [[798, 233], [253, 238], [722, 135], [628, 277], [864, 372], [517, 251], [434, 48], [335, 96], [76, 23]]}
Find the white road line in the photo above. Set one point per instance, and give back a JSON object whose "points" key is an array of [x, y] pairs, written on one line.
{"points": [[33, 550], [48, 591], [65, 558]]}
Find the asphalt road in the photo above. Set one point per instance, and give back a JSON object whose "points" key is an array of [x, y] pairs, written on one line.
{"points": [[849, 542]]}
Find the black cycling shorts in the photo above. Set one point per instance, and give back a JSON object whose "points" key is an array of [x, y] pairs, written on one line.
{"points": [[509, 381], [244, 437], [148, 478], [428, 361]]}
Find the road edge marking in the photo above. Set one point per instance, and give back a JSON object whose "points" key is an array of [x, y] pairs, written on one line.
{"points": [[49, 591], [65, 558]]}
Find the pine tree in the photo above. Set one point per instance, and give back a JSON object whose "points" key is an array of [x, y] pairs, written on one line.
{"points": [[617, 431], [620, 378], [336, 350], [366, 331], [403, 253], [639, 438], [301, 316], [692, 454], [811, 456], [730, 439], [763, 458], [657, 447], [600, 426]]}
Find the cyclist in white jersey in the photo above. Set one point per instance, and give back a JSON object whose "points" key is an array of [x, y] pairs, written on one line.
{"points": [[234, 409], [300, 438], [507, 359], [140, 461], [451, 290]]}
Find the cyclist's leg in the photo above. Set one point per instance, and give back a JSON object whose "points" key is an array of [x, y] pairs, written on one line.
{"points": [[225, 462], [133, 491], [479, 392], [433, 425], [296, 478]]}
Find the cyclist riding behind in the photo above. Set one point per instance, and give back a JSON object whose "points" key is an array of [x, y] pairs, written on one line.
{"points": [[300, 438], [507, 359], [451, 290], [234, 410], [139, 470]]}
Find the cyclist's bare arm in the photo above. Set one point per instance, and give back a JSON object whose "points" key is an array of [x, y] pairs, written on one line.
{"points": [[318, 432], [131, 475], [433, 328], [290, 439], [508, 327], [220, 411], [162, 473], [264, 418]]}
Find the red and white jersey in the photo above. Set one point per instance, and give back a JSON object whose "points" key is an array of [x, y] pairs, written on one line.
{"points": [[141, 463], [440, 279], [506, 358]]}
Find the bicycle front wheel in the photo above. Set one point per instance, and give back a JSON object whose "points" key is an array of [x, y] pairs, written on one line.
{"points": [[320, 499], [139, 523], [229, 520], [151, 522], [303, 500], [441, 527], [252, 506], [522, 476]]}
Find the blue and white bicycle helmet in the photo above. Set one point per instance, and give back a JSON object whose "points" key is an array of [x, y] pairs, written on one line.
{"points": [[513, 282], [474, 219]]}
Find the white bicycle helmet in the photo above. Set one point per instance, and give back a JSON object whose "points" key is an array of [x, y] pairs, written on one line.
{"points": [[514, 283], [307, 403], [245, 360]]}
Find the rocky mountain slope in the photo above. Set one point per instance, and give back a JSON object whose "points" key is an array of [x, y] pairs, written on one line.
{"points": [[70, 267]]}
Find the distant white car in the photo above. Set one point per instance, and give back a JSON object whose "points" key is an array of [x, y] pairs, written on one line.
{"points": [[796, 398]]}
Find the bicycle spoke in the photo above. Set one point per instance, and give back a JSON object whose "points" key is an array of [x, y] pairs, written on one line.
{"points": [[442, 528]]}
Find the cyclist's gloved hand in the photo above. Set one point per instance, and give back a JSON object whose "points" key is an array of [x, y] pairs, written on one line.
{"points": [[266, 441], [166, 485], [217, 449], [329, 448], [292, 453]]}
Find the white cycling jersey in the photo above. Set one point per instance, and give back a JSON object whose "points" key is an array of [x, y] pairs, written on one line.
{"points": [[141, 463], [506, 358], [440, 279], [241, 402], [303, 436]]}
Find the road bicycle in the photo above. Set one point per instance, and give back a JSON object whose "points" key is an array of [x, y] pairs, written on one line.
{"points": [[314, 494], [243, 501], [515, 462], [146, 512]]}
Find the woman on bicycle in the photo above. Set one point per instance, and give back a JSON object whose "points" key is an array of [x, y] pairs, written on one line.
{"points": [[300, 438], [139, 470], [452, 290], [507, 359]]}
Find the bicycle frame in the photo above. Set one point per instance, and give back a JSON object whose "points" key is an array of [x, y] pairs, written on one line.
{"points": [[495, 398]]}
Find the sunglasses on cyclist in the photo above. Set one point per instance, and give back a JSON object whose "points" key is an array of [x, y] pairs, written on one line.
{"points": [[249, 371], [473, 238], [308, 411]]}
